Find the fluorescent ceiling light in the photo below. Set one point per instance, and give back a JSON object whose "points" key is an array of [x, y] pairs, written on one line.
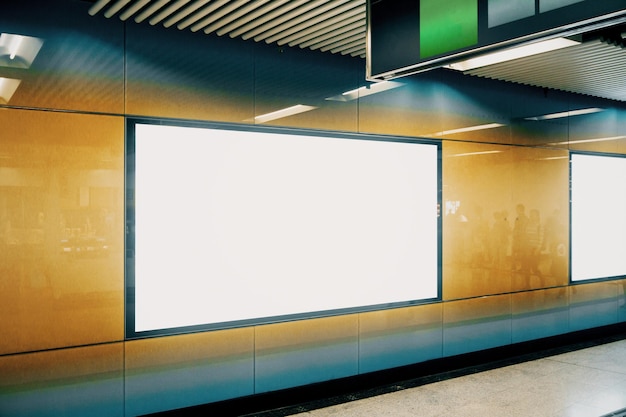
{"points": [[7, 88], [366, 91], [18, 51], [467, 129], [279, 114], [569, 142], [476, 153], [565, 114], [512, 53]]}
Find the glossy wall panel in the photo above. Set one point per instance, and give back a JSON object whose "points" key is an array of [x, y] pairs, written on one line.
{"points": [[61, 218], [621, 303], [603, 131], [531, 105], [505, 218], [62, 346], [594, 304], [304, 352], [86, 381], [410, 108], [75, 63], [397, 337], [540, 218], [477, 219], [181, 371], [179, 74], [475, 111], [287, 77], [540, 313], [476, 324]]}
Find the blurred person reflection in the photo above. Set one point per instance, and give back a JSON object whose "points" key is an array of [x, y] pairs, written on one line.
{"points": [[555, 235], [534, 236], [479, 232], [520, 244], [499, 240]]}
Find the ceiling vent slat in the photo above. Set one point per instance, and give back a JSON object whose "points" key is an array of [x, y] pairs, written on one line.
{"points": [[336, 26], [150, 10], [185, 12], [225, 20], [311, 19]]}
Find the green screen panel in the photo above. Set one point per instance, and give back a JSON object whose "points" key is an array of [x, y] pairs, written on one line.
{"points": [[449, 28]]}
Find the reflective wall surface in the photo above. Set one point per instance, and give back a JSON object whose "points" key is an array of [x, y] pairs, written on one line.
{"points": [[61, 229], [505, 212]]}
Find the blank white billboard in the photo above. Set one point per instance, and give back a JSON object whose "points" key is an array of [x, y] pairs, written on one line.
{"points": [[235, 225], [598, 224]]}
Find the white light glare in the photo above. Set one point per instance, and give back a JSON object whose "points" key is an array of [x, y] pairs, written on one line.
{"points": [[476, 153], [279, 114], [24, 47], [607, 139], [365, 91], [8, 86], [513, 53], [467, 129], [565, 114]]}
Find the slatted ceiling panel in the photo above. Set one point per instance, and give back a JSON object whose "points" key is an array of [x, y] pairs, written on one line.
{"points": [[335, 26], [329, 29], [595, 67]]}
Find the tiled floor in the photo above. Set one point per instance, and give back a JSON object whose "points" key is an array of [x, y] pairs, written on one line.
{"points": [[589, 382]]}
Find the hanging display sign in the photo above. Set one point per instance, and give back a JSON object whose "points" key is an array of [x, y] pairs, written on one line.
{"points": [[405, 37]]}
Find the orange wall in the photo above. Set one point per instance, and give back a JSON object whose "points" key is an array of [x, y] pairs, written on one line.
{"points": [[62, 350]]}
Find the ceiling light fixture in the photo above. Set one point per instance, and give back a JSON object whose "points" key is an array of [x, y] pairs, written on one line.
{"points": [[279, 114], [513, 53], [565, 114]]}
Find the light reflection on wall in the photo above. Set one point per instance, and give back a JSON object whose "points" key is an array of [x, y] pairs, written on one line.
{"points": [[505, 222], [18, 51], [61, 225], [68, 165]]}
